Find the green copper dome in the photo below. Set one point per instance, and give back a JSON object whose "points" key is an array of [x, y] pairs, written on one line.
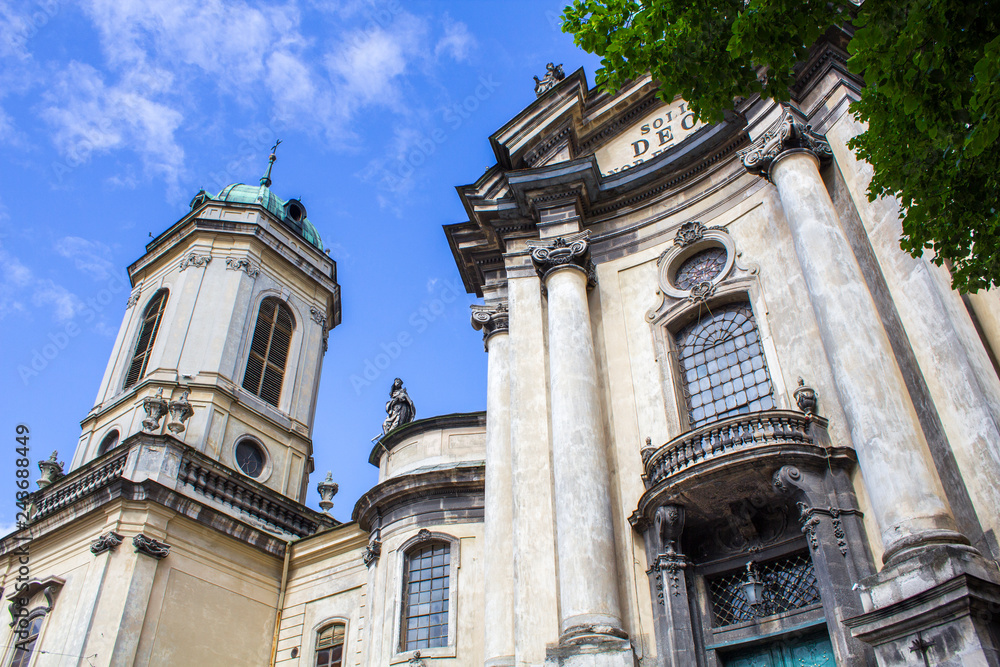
{"points": [[290, 212]]}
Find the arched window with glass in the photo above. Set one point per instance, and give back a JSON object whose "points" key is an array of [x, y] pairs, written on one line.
{"points": [[723, 371], [330, 645], [426, 589], [109, 442], [272, 335], [24, 644], [148, 328]]}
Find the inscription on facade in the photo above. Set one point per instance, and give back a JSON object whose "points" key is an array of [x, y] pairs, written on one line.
{"points": [[662, 129]]}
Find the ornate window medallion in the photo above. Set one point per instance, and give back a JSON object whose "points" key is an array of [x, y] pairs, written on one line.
{"points": [[700, 259], [701, 267]]}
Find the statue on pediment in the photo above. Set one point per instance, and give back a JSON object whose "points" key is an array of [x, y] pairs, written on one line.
{"points": [[553, 75]]}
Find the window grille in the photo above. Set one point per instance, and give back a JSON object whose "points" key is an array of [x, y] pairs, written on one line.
{"points": [[147, 336], [425, 618], [789, 583], [700, 267], [269, 350], [722, 365], [330, 646]]}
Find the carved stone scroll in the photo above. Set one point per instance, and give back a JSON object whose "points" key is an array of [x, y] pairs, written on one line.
{"points": [[150, 547], [787, 134], [109, 541]]}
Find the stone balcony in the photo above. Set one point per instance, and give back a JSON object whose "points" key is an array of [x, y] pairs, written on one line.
{"points": [[734, 458], [168, 472], [755, 433]]}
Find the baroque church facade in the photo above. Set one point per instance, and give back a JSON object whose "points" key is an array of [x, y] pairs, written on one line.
{"points": [[728, 423]]}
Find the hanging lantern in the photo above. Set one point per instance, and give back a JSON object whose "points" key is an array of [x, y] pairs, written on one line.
{"points": [[753, 589]]}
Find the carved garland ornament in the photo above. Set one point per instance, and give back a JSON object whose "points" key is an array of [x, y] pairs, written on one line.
{"points": [[242, 264], [787, 134], [319, 317], [132, 299], [194, 259]]}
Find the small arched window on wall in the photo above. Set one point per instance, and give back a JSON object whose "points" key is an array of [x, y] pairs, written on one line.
{"points": [[272, 336], [151, 317], [426, 588], [330, 645], [109, 442], [721, 359]]}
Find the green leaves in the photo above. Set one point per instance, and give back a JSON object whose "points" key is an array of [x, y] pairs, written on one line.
{"points": [[932, 101]]}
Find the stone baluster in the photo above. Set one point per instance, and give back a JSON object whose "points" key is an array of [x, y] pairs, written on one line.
{"points": [[588, 580], [499, 503], [906, 495]]}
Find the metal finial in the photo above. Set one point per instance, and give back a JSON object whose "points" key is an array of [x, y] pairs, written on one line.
{"points": [[266, 178]]}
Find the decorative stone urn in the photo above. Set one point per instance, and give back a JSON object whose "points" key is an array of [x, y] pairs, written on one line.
{"points": [[180, 412], [51, 469], [155, 407], [805, 397], [327, 490]]}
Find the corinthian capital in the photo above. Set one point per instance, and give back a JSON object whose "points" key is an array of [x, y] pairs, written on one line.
{"points": [[787, 134], [572, 250], [491, 319]]}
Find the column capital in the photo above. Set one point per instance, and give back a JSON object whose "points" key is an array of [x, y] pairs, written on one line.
{"points": [[784, 136], [564, 251], [491, 319]]}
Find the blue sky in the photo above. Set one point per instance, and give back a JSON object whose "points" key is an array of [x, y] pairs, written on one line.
{"points": [[114, 113]]}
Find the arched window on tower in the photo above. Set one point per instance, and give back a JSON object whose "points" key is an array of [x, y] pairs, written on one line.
{"points": [[151, 317], [272, 336], [722, 365], [330, 645]]}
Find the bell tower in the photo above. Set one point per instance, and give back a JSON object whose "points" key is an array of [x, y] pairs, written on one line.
{"points": [[223, 338]]}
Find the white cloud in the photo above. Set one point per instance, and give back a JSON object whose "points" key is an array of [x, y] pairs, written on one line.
{"points": [[90, 117], [18, 284], [64, 303], [457, 41], [91, 257], [367, 69]]}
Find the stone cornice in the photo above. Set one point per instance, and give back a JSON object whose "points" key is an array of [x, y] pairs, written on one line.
{"points": [[417, 426], [462, 479]]}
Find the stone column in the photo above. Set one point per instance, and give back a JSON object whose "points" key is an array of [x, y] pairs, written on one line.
{"points": [[535, 605], [588, 581], [906, 494], [499, 502]]}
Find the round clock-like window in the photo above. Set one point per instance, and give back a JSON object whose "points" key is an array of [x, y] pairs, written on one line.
{"points": [[250, 458], [701, 267]]}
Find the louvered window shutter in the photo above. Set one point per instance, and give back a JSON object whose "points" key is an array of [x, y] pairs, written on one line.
{"points": [[272, 336], [147, 336]]}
